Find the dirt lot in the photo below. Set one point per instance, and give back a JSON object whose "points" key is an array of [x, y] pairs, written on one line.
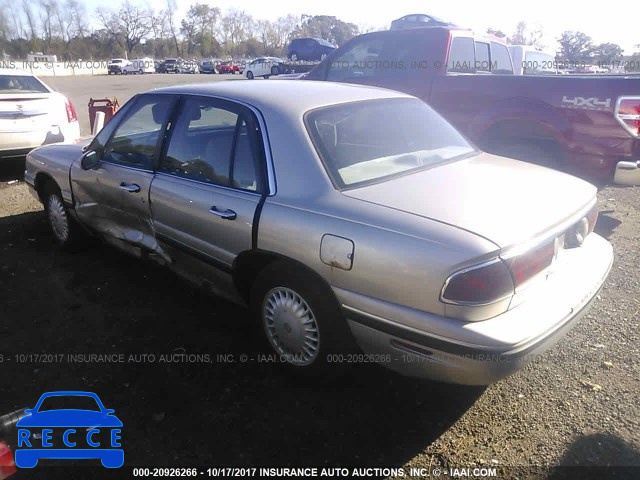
{"points": [[578, 405]]}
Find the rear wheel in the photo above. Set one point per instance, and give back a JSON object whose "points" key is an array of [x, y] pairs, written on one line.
{"points": [[66, 231], [300, 317], [250, 75], [126, 72], [140, 72]]}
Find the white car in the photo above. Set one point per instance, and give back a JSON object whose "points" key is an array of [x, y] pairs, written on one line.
{"points": [[139, 65], [115, 65], [264, 67], [32, 114]]}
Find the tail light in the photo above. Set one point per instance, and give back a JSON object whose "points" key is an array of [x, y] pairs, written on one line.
{"points": [[496, 280], [527, 265], [71, 112], [7, 465], [627, 113], [479, 285]]}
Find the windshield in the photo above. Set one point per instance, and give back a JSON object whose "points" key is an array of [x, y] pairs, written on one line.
{"points": [[69, 402], [20, 84], [374, 140]]}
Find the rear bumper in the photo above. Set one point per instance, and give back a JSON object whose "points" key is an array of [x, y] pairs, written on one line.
{"points": [[627, 173], [17, 144], [479, 353]]}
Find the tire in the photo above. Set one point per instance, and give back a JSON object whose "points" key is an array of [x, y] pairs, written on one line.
{"points": [[250, 75], [140, 72], [265, 76], [125, 72], [294, 57], [275, 71], [300, 317], [66, 231]]}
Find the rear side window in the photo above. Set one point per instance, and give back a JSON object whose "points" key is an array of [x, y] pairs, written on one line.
{"points": [[483, 60], [462, 55], [380, 56], [215, 142], [500, 59]]}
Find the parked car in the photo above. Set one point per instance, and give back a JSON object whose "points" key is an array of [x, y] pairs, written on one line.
{"points": [[417, 20], [115, 65], [33, 114], [188, 66], [139, 66], [528, 60], [228, 67], [439, 260], [209, 66], [586, 125], [265, 67], [309, 49], [169, 65]]}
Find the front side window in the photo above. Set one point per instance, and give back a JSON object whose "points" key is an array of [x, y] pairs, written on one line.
{"points": [[137, 137], [215, 142], [357, 148]]}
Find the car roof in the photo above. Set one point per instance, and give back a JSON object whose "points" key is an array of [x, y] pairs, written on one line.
{"points": [[293, 96]]}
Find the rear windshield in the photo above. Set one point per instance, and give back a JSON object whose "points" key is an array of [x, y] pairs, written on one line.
{"points": [[21, 84], [375, 140]]}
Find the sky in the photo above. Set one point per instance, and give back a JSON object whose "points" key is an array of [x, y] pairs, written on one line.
{"points": [[613, 23]]}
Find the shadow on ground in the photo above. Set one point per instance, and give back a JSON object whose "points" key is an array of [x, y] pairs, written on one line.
{"points": [[196, 410], [11, 169]]}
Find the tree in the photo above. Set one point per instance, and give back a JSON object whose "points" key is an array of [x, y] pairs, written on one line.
{"points": [[329, 28], [171, 23], [575, 46], [606, 52], [236, 26], [129, 25], [497, 33], [526, 36], [198, 27]]}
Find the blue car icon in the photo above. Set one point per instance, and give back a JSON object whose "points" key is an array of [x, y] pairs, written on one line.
{"points": [[88, 432]]}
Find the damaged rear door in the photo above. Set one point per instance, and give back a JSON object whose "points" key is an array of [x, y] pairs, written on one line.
{"points": [[112, 196]]}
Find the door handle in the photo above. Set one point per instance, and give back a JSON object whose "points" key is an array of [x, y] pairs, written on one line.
{"points": [[226, 214], [130, 187]]}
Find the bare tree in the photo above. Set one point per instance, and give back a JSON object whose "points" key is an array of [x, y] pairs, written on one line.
{"points": [[526, 36], [171, 12], [31, 21], [236, 26], [129, 25]]}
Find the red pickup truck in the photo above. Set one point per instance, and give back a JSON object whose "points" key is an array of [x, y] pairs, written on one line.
{"points": [[586, 125]]}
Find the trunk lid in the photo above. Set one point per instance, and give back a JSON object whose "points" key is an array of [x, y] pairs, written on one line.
{"points": [[24, 112], [505, 201]]}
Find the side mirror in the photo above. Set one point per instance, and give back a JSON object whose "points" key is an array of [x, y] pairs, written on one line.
{"points": [[90, 160]]}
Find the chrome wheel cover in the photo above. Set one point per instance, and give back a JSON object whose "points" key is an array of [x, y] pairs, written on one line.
{"points": [[58, 218], [291, 326]]}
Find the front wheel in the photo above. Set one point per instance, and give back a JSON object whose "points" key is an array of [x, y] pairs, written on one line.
{"points": [[250, 75], [299, 316], [66, 231]]}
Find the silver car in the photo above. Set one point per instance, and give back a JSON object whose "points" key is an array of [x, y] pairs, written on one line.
{"points": [[344, 216]]}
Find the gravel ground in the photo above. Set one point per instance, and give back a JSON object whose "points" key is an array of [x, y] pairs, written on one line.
{"points": [[578, 405]]}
